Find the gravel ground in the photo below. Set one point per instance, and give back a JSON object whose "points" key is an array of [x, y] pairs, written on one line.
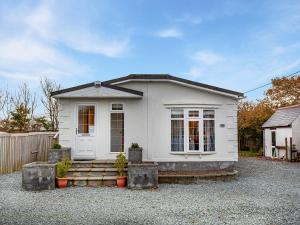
{"points": [[265, 192]]}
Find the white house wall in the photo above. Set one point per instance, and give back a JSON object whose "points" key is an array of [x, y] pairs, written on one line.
{"points": [[147, 121], [281, 134], [161, 95], [296, 132]]}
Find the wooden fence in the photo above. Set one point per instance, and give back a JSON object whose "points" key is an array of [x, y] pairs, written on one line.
{"points": [[19, 149]]}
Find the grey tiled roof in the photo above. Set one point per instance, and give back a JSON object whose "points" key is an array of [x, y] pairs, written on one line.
{"points": [[283, 117]]}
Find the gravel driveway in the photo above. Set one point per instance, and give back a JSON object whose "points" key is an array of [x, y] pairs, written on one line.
{"points": [[266, 192]]}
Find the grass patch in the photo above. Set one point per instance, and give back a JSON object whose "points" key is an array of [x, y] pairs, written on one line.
{"points": [[250, 153]]}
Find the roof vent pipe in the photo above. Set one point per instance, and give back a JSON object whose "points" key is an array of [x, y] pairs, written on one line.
{"points": [[97, 84]]}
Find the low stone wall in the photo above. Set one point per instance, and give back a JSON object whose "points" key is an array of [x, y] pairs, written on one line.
{"points": [[142, 175], [38, 176], [192, 166]]}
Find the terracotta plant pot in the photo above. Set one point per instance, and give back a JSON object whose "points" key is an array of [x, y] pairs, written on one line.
{"points": [[62, 182], [121, 182]]}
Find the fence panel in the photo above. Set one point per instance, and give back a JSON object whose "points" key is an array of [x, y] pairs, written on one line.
{"points": [[19, 149]]}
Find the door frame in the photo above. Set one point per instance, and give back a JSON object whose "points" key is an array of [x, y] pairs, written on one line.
{"points": [[272, 146], [77, 104]]}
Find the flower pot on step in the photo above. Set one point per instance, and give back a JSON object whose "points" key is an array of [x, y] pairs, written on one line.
{"points": [[121, 182], [62, 182]]}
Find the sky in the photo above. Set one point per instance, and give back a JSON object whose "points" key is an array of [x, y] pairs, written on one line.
{"points": [[237, 45]]}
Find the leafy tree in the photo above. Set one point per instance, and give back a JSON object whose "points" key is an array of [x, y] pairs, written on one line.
{"points": [[44, 122], [284, 92], [20, 118], [252, 115]]}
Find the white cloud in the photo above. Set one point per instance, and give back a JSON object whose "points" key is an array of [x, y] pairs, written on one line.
{"points": [[41, 20], [169, 33], [188, 18], [195, 71], [34, 40], [89, 43], [207, 58]]}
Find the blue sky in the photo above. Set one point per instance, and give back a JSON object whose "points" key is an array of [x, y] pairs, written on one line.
{"points": [[237, 45]]}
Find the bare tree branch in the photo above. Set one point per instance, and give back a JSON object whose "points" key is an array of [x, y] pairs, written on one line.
{"points": [[50, 104]]}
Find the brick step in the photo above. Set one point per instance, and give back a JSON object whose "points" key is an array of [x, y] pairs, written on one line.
{"points": [[98, 181], [92, 172]]}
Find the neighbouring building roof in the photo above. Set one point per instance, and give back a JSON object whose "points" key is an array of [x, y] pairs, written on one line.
{"points": [[283, 117], [145, 77]]}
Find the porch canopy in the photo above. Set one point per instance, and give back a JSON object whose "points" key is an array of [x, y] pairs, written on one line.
{"points": [[97, 90]]}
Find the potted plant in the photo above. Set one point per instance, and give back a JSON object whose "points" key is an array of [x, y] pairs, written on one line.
{"points": [[62, 168], [135, 153], [120, 164], [57, 153]]}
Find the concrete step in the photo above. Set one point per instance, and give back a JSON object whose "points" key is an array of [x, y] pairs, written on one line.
{"points": [[93, 164], [92, 172], [194, 177], [98, 181]]}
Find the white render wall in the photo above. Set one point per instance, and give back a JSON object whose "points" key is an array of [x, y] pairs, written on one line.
{"points": [[296, 132], [281, 134], [147, 121]]}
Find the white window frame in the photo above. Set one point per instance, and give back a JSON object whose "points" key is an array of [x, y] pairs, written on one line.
{"points": [[116, 111], [77, 121], [214, 119], [186, 120], [184, 129]]}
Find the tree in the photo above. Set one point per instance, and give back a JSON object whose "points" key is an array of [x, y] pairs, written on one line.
{"points": [[4, 96], [284, 92], [50, 104], [25, 98], [251, 116], [20, 118], [17, 107]]}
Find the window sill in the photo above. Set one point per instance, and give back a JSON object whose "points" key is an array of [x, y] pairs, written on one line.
{"points": [[192, 153]]}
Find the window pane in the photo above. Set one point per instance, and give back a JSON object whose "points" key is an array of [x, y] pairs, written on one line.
{"points": [[209, 135], [117, 107], [177, 135], [176, 113], [86, 119], [208, 114], [194, 113], [194, 135], [117, 132]]}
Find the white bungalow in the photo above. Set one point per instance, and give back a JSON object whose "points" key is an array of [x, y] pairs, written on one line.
{"points": [[178, 122], [281, 129]]}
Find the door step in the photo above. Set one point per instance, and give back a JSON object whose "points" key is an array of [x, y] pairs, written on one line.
{"points": [[109, 181], [93, 173]]}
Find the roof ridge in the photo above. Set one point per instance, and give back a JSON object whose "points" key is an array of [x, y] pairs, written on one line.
{"points": [[172, 78], [288, 107]]}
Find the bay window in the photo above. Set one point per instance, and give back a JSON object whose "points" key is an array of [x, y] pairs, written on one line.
{"points": [[192, 130]]}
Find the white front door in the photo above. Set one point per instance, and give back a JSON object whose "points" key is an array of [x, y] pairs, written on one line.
{"points": [[85, 132]]}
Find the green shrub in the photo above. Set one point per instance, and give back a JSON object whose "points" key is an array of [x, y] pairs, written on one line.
{"points": [[56, 145], [135, 145], [62, 168], [120, 164]]}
